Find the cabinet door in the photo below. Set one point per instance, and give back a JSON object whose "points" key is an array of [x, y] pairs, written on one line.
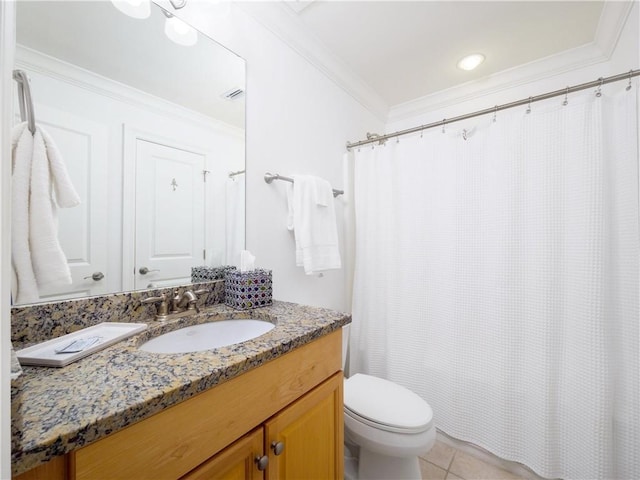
{"points": [[310, 434], [236, 462]]}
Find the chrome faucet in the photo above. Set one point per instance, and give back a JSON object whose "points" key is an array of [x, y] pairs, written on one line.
{"points": [[177, 305], [185, 301]]}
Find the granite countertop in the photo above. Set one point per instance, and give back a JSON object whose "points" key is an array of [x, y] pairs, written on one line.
{"points": [[57, 410]]}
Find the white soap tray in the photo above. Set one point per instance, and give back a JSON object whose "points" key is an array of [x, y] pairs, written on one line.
{"points": [[45, 353]]}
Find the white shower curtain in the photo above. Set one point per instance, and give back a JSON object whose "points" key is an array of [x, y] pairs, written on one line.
{"points": [[497, 277], [234, 218]]}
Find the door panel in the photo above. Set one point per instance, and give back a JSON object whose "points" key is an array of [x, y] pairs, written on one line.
{"points": [[169, 214], [312, 436], [236, 462], [82, 230]]}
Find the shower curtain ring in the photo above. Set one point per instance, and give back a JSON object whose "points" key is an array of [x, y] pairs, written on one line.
{"points": [[566, 98], [599, 89], [529, 106], [444, 122], [629, 86], [495, 113]]}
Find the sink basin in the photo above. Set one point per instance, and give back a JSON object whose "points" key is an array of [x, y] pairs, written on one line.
{"points": [[207, 336]]}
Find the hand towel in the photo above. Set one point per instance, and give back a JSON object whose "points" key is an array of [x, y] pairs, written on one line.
{"points": [[314, 224], [26, 288], [40, 183]]}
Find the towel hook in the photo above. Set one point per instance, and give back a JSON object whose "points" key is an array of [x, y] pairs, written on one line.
{"points": [[25, 101]]}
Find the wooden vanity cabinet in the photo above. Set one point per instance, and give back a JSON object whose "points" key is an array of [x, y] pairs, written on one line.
{"points": [[236, 462], [303, 441], [295, 399]]}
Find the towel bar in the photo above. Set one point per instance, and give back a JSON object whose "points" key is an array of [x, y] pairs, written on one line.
{"points": [[270, 177]]}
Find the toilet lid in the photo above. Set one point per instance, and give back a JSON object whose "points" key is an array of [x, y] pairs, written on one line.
{"points": [[385, 404]]}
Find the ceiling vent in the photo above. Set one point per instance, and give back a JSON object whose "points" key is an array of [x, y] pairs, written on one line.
{"points": [[233, 94]]}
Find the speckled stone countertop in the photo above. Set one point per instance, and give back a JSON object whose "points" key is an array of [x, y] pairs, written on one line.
{"points": [[57, 410]]}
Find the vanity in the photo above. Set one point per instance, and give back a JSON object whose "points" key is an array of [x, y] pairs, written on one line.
{"points": [[267, 408]]}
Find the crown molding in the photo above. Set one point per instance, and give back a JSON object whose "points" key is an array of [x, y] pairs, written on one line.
{"points": [[283, 22], [34, 61], [612, 20]]}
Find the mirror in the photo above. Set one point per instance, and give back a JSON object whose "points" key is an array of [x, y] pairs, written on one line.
{"points": [[152, 134]]}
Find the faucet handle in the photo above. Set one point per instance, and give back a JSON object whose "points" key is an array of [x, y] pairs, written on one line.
{"points": [[162, 311]]}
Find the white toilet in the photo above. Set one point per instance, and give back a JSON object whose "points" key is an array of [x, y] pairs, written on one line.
{"points": [[386, 427]]}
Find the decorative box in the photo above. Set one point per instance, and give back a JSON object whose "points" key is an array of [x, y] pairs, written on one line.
{"points": [[245, 290], [206, 274]]}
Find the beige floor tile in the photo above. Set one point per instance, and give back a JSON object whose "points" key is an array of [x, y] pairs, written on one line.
{"points": [[451, 476], [471, 468], [431, 472], [441, 455]]}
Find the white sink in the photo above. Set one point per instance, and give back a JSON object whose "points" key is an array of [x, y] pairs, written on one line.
{"points": [[207, 336]]}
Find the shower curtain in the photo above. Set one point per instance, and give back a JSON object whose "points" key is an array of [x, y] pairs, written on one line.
{"points": [[497, 277], [234, 218]]}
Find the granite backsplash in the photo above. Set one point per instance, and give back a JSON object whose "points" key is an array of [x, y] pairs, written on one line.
{"points": [[37, 323]]}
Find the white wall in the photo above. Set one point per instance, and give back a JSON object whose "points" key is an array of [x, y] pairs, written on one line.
{"points": [[298, 121], [7, 39]]}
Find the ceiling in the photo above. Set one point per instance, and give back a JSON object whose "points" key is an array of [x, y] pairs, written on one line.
{"points": [[394, 55], [408, 49]]}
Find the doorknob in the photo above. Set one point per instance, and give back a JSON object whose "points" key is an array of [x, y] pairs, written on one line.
{"points": [[145, 270], [97, 276]]}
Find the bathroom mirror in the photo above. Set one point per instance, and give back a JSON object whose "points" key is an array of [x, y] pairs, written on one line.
{"points": [[149, 116]]}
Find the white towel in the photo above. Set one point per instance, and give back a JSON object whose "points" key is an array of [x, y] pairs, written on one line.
{"points": [[313, 217], [40, 184]]}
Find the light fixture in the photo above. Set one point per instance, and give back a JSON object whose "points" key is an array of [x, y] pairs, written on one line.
{"points": [[471, 61], [134, 8], [179, 32]]}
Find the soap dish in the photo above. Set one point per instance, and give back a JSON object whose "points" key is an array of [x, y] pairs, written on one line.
{"points": [[108, 333]]}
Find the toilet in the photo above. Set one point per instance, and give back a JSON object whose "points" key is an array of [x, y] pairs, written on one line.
{"points": [[386, 427]]}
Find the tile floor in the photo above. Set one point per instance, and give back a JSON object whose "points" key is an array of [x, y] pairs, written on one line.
{"points": [[444, 462]]}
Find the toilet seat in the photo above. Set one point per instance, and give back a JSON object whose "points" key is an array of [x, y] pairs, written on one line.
{"points": [[385, 405]]}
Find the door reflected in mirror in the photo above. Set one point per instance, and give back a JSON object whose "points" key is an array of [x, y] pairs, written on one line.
{"points": [[152, 138]]}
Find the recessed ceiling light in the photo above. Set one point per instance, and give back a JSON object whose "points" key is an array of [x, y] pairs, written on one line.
{"points": [[471, 61]]}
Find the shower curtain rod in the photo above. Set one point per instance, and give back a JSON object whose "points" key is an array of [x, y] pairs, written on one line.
{"points": [[381, 139]]}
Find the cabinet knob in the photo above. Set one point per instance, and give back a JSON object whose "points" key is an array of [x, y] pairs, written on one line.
{"points": [[278, 447], [262, 462]]}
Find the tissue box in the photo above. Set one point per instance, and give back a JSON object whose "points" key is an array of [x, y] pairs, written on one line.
{"points": [[245, 290], [206, 274]]}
